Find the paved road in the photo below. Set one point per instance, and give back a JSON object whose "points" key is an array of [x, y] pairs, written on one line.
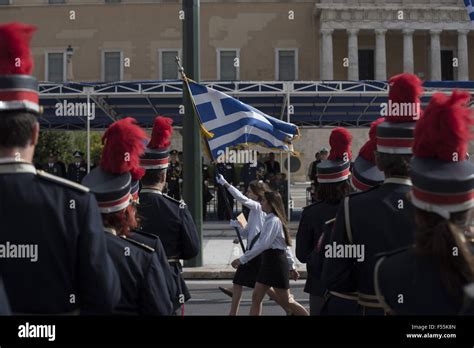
{"points": [[207, 299]]}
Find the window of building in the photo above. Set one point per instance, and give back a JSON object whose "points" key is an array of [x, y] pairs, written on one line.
{"points": [[112, 66], [168, 66], [447, 69], [112, 1], [366, 65], [228, 65], [56, 1], [55, 67], [4, 2], [287, 65]]}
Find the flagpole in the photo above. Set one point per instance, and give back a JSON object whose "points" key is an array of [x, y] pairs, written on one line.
{"points": [[223, 192]]}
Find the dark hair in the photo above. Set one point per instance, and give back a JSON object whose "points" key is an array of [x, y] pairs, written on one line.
{"points": [[276, 203], [393, 164], [333, 193], [123, 221], [152, 176], [16, 128], [436, 237], [259, 188]]}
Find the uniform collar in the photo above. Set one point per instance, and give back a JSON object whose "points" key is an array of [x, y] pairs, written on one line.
{"points": [[398, 181], [151, 190], [9, 165], [110, 230]]}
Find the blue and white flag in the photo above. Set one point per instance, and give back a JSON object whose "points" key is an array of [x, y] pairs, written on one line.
{"points": [[470, 9], [234, 123]]}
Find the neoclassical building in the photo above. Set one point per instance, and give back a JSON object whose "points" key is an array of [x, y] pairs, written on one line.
{"points": [[264, 40]]}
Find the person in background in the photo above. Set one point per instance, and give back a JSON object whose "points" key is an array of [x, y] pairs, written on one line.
{"points": [[77, 171], [206, 192], [227, 170], [52, 167], [62, 165], [174, 176], [272, 166], [272, 244]]}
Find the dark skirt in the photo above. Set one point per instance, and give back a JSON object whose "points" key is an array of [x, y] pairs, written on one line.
{"points": [[274, 270], [246, 274]]}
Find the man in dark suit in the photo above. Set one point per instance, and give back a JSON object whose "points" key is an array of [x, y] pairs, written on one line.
{"points": [[77, 170]]}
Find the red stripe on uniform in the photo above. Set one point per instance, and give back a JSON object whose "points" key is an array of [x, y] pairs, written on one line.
{"points": [[19, 95], [443, 199], [359, 185], [114, 203], [335, 175], [154, 161]]}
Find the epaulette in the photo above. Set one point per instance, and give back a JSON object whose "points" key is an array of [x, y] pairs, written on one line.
{"points": [[64, 182], [393, 252], [362, 192], [181, 203], [312, 204], [146, 234], [141, 245]]}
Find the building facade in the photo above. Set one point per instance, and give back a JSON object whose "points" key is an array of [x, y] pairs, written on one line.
{"points": [[263, 40]]}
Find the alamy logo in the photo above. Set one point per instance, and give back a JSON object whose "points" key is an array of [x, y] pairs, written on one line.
{"points": [[75, 109], [237, 156], [345, 251], [401, 109], [19, 251], [37, 331]]}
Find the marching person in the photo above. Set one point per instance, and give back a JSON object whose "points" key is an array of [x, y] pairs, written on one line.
{"points": [[77, 171], [332, 175], [162, 215], [272, 166], [379, 219], [59, 217], [143, 283], [225, 201], [428, 278], [273, 271], [246, 274]]}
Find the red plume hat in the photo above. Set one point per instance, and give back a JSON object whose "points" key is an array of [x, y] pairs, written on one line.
{"points": [[337, 167], [156, 154]]}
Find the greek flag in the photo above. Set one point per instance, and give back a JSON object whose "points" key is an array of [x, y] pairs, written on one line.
{"points": [[234, 123], [470, 9]]}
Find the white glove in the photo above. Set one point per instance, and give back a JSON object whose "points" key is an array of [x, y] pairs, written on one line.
{"points": [[220, 180], [235, 223]]}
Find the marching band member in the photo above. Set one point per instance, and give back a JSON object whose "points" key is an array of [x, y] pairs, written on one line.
{"points": [[143, 284], [162, 215], [273, 244], [333, 185], [379, 219], [428, 278], [58, 216]]}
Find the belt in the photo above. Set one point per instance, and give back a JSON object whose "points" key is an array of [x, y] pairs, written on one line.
{"points": [[350, 296], [371, 301], [173, 260], [74, 312]]}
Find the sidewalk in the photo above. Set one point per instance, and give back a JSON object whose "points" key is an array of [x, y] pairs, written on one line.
{"points": [[219, 251]]}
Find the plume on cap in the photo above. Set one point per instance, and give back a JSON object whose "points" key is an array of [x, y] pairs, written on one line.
{"points": [[161, 133], [444, 131], [340, 141], [404, 88], [124, 143], [367, 150], [15, 57]]}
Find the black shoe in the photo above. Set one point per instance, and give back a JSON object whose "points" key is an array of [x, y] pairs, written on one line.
{"points": [[226, 291]]}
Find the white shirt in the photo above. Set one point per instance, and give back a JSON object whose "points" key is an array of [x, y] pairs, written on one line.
{"points": [[256, 215]]}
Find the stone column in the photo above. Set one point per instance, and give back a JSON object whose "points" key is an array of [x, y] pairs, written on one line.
{"points": [[353, 45], [408, 60], [380, 55], [435, 55], [463, 69], [327, 65]]}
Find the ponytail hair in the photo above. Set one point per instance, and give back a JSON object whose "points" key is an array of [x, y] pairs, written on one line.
{"points": [[445, 241], [276, 203]]}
